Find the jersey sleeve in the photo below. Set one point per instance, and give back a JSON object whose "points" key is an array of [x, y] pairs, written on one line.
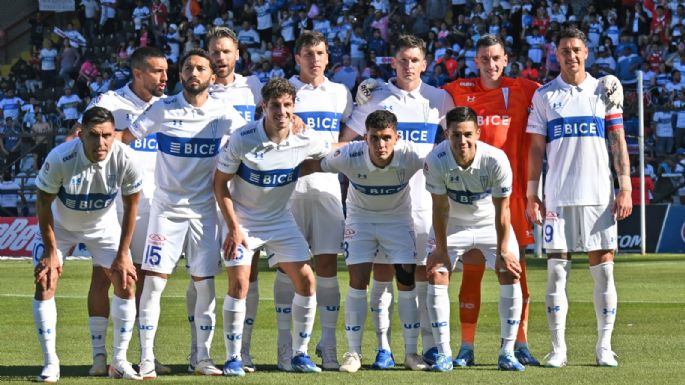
{"points": [[357, 120], [347, 113], [318, 147], [537, 121], [233, 121], [133, 176], [50, 177], [149, 121], [414, 160], [229, 157], [500, 175], [335, 161], [447, 106], [256, 88], [435, 183]]}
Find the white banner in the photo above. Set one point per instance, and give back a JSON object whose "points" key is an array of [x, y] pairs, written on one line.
{"points": [[57, 5]]}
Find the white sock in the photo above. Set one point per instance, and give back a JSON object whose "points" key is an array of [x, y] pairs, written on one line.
{"points": [[557, 302], [98, 334], [328, 302], [205, 318], [191, 298], [234, 321], [251, 304], [606, 302], [408, 308], [284, 291], [438, 302], [45, 317], [427, 341], [355, 318], [123, 321], [381, 299], [149, 315], [510, 306], [304, 312]]}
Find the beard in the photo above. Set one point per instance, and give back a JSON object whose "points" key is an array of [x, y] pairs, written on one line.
{"points": [[194, 89]]}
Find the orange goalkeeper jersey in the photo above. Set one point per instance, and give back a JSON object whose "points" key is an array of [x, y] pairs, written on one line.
{"points": [[502, 118]]}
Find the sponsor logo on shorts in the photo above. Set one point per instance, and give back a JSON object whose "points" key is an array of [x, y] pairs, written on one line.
{"points": [[551, 215], [349, 232], [337, 153], [156, 239]]}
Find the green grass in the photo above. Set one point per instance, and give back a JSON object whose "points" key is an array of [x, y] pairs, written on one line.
{"points": [[649, 335]]}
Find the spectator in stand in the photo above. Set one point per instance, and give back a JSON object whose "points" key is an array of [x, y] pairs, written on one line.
{"points": [[68, 60], [680, 169], [287, 24], [449, 64], [535, 42], [637, 23], [530, 72], [679, 132], [276, 72], [87, 73], [606, 63], [11, 105], [120, 76], [42, 132], [649, 188], [10, 144], [98, 86], [346, 73], [9, 195], [674, 87], [336, 51], [263, 11], [249, 38], [626, 66], [37, 29], [68, 106], [659, 24], [173, 40], [48, 64], [160, 15], [21, 73], [662, 125], [141, 15], [108, 13], [378, 44]]}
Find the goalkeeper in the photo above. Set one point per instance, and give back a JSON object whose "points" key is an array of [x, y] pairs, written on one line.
{"points": [[573, 119]]}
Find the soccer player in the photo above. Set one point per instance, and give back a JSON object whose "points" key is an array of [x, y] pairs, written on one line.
{"points": [[262, 162], [316, 203], [378, 215], [85, 176], [420, 110], [502, 105], [190, 127], [470, 183], [573, 118], [148, 70]]}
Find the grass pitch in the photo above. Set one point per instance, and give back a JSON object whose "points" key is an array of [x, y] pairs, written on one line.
{"points": [[649, 336]]}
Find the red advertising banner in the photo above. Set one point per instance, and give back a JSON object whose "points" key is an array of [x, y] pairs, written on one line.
{"points": [[16, 236]]}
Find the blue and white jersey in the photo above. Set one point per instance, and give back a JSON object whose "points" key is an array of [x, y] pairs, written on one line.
{"points": [[188, 142], [266, 172], [376, 195], [470, 190], [324, 108], [420, 114], [244, 94], [126, 106], [85, 190], [11, 107], [574, 120]]}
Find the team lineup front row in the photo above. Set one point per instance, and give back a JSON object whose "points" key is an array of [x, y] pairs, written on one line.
{"points": [[416, 211]]}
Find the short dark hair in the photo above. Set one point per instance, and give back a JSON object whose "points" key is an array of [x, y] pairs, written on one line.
{"points": [[488, 40], [381, 119], [571, 33], [410, 41], [277, 87], [96, 115], [461, 114], [140, 55], [308, 39], [222, 32], [196, 52]]}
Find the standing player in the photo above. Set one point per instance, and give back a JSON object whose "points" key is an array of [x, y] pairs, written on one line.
{"points": [[316, 203], [190, 127], [85, 176], [502, 106], [148, 70], [572, 119], [420, 110], [262, 162], [470, 182]]}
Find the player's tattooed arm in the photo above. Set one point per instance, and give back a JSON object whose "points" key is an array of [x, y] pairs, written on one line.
{"points": [[623, 205]]}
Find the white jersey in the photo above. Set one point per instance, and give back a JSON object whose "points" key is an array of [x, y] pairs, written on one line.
{"points": [[188, 141], [85, 190], [376, 195], [244, 94], [323, 108], [126, 106], [470, 190], [574, 121], [266, 172], [420, 113]]}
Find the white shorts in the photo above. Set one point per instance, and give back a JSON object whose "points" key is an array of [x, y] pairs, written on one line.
{"points": [[321, 221], [579, 228], [281, 240], [170, 236], [364, 240], [423, 220], [461, 239], [140, 232], [101, 243]]}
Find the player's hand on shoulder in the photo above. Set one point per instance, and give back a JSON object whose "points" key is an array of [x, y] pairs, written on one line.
{"points": [[297, 125], [364, 91], [623, 205]]}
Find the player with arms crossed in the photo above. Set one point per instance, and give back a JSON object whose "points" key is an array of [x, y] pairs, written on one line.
{"points": [[148, 69], [85, 176], [502, 106], [420, 111], [183, 219], [470, 183], [573, 118], [262, 162]]}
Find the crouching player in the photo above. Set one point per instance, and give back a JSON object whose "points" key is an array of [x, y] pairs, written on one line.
{"points": [[470, 182], [262, 160], [85, 176]]}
